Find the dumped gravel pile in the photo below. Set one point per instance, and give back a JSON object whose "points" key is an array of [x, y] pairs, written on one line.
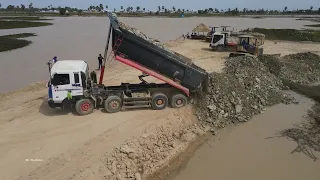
{"points": [[245, 88], [137, 158], [272, 62], [303, 68]]}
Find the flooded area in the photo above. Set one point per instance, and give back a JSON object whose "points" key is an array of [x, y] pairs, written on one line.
{"points": [[254, 151], [85, 37]]}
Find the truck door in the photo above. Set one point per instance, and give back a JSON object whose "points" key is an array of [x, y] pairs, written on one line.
{"points": [[60, 85], [217, 40], [77, 89]]}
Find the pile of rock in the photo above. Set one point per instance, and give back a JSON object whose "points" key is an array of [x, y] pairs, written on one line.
{"points": [[303, 68], [244, 89], [138, 157]]}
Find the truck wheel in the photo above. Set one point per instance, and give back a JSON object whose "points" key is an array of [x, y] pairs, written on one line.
{"points": [[113, 104], [159, 101], [220, 48], [84, 107], [178, 100]]}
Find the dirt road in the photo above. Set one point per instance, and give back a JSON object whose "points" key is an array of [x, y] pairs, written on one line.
{"points": [[59, 144]]}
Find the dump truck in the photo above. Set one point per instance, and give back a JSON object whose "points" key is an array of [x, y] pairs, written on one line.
{"points": [[241, 43], [71, 82]]}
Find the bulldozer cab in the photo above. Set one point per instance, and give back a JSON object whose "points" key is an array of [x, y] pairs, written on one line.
{"points": [[250, 44]]}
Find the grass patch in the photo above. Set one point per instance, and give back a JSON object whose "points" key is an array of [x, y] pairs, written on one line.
{"points": [[288, 34], [25, 18], [11, 42], [313, 25], [21, 24]]}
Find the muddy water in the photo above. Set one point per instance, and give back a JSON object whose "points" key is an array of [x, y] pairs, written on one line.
{"points": [[84, 38], [243, 152]]}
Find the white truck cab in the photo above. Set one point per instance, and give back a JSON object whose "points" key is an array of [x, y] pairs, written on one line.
{"points": [[67, 76], [221, 40]]}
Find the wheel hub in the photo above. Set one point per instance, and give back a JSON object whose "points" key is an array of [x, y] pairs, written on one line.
{"points": [[85, 106], [114, 104], [159, 102], [179, 102]]}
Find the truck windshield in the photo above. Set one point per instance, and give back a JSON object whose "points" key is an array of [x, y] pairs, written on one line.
{"points": [[217, 38], [60, 79]]}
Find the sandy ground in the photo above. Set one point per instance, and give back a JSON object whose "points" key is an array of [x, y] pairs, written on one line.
{"points": [[67, 144]]}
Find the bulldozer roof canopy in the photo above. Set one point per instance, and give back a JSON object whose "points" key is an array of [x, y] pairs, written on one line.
{"points": [[201, 28]]}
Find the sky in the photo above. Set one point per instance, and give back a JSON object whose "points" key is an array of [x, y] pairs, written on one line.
{"points": [[183, 4]]}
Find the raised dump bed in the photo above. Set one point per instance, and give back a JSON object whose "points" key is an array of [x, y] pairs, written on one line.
{"points": [[161, 60]]}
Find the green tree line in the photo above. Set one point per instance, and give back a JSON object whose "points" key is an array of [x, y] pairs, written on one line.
{"points": [[163, 10]]}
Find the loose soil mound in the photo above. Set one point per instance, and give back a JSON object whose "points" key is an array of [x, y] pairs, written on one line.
{"points": [[303, 68], [244, 89]]}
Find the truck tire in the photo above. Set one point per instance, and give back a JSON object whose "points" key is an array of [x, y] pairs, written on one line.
{"points": [[159, 101], [220, 48], [84, 107], [178, 100], [113, 104]]}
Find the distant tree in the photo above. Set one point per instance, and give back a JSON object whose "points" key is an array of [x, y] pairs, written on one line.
{"points": [[216, 10], [62, 11], [179, 10], [98, 8], [138, 8], [182, 10], [114, 9], [31, 6], [211, 9], [107, 7], [285, 8], [163, 8], [0, 5], [166, 10], [159, 8], [23, 7], [10, 7], [244, 10], [128, 9], [173, 8], [311, 7], [121, 7], [144, 9], [319, 11], [101, 7]]}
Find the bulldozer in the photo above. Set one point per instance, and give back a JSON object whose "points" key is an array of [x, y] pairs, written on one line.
{"points": [[251, 45], [241, 43]]}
